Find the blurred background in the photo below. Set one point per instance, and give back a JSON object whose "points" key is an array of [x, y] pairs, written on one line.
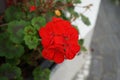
{"points": [[106, 43]]}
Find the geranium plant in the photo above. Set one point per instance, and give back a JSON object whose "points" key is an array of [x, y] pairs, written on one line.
{"points": [[32, 31]]}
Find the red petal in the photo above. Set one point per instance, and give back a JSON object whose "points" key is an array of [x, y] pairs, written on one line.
{"points": [[76, 49], [59, 57], [58, 40], [69, 54], [72, 33], [48, 54], [71, 51], [46, 36], [46, 43], [42, 32]]}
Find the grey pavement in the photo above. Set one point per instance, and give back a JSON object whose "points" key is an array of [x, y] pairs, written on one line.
{"points": [[106, 44]]}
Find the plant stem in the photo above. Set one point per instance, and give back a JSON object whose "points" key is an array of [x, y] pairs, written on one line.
{"points": [[39, 51], [35, 2], [1, 25]]}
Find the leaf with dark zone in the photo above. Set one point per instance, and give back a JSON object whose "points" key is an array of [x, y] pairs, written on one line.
{"points": [[8, 49], [13, 13], [10, 71], [15, 29]]}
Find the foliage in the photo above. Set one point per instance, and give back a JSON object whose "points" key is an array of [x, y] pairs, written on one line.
{"points": [[20, 43], [81, 42], [9, 71], [85, 19], [13, 13], [37, 22], [40, 73], [9, 49], [15, 30]]}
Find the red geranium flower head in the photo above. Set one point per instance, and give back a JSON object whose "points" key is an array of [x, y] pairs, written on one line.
{"points": [[32, 8], [59, 40]]}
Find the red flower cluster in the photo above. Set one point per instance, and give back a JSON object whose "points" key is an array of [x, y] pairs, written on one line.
{"points": [[59, 40], [32, 8]]}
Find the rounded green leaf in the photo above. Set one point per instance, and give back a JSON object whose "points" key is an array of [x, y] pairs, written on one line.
{"points": [[14, 61], [29, 30], [13, 13], [3, 41], [38, 22], [3, 78], [8, 49], [12, 51], [41, 74], [31, 41], [10, 71], [15, 29]]}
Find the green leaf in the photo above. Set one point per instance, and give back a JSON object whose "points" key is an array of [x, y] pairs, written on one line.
{"points": [[85, 20], [13, 13], [11, 51], [72, 12], [14, 61], [15, 29], [16, 50], [31, 41], [41, 74], [58, 1], [8, 49], [3, 78], [77, 1], [81, 42], [75, 14], [38, 3], [38, 22], [3, 41], [19, 78], [30, 15], [68, 1], [71, 9], [29, 30], [83, 49], [10, 71]]}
